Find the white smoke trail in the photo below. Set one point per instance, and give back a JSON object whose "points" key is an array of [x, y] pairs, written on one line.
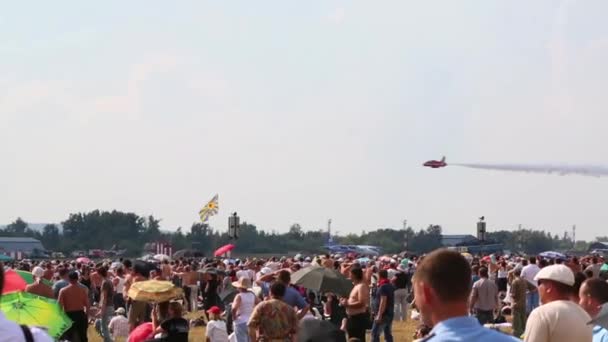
{"points": [[583, 170]]}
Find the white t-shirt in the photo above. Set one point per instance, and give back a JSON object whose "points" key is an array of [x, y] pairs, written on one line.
{"points": [[246, 308], [502, 273], [529, 272], [216, 331], [121, 285], [558, 321]]}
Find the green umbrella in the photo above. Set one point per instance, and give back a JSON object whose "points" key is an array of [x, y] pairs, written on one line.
{"points": [[322, 279], [29, 278], [26, 308], [4, 257]]}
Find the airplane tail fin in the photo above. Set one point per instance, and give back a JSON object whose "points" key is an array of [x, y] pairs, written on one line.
{"points": [[443, 159]]}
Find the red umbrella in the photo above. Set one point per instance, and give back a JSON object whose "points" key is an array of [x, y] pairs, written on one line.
{"points": [[83, 260], [13, 282], [142, 333], [224, 249]]}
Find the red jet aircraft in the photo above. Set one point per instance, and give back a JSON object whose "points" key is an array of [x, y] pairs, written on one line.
{"points": [[435, 164]]}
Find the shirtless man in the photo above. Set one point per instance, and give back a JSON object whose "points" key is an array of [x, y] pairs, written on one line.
{"points": [[189, 281], [49, 272], [40, 289], [155, 275], [345, 268], [128, 278], [166, 270], [328, 262], [74, 299], [356, 305]]}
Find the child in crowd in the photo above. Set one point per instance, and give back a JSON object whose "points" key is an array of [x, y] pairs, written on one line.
{"points": [[216, 328]]}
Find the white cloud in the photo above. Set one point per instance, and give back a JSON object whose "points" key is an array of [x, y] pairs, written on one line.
{"points": [[128, 103], [20, 98], [338, 16]]}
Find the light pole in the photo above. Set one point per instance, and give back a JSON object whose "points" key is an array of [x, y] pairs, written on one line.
{"points": [[481, 231], [233, 226], [406, 242]]}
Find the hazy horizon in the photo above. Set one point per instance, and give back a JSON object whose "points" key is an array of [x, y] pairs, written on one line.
{"points": [[300, 112]]}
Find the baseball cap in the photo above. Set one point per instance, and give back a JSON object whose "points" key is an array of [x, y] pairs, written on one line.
{"points": [[558, 273], [214, 310], [120, 311]]}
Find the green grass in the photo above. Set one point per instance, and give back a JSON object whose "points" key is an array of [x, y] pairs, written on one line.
{"points": [[402, 331]]}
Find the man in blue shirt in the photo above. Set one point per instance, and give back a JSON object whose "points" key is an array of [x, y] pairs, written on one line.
{"points": [[384, 308], [442, 286], [292, 296], [63, 282], [593, 294]]}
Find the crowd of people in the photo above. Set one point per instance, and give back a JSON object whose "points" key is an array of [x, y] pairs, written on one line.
{"points": [[549, 300], [452, 296]]}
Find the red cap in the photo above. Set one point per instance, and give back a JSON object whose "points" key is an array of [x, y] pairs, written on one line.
{"points": [[214, 310]]}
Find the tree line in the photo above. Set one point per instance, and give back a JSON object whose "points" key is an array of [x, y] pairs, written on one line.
{"points": [[120, 230]]}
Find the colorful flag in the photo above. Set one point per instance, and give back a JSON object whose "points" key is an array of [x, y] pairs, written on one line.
{"points": [[209, 209]]}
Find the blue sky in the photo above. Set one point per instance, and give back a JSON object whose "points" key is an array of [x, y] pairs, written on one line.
{"points": [[303, 111]]}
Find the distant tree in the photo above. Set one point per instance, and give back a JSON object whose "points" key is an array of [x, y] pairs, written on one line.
{"points": [[581, 246], [179, 240], [18, 227], [201, 236], [151, 228], [427, 240], [408, 236], [295, 231], [50, 237], [104, 229]]}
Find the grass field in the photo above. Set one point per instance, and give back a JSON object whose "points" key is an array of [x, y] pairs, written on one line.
{"points": [[402, 332]]}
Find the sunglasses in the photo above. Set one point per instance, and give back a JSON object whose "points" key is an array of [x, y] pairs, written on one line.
{"points": [[541, 282]]}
